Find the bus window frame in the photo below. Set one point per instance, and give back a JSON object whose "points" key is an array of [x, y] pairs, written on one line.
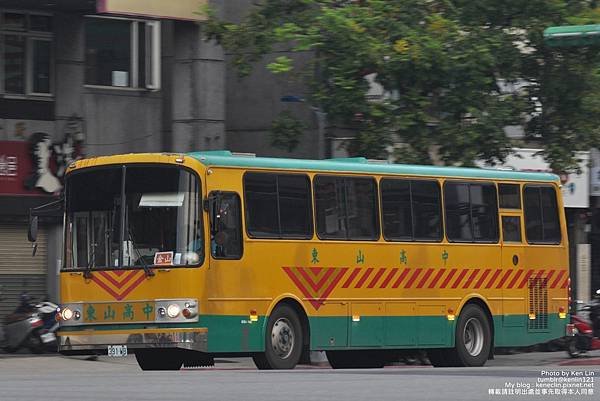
{"points": [[520, 189], [241, 230], [281, 236], [497, 211], [512, 213], [440, 210], [558, 214], [123, 166], [373, 178]]}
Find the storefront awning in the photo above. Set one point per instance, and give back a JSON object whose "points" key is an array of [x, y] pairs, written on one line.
{"points": [[172, 9], [191, 10]]}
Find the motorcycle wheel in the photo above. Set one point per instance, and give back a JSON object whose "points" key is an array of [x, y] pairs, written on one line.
{"points": [[572, 349], [35, 344]]}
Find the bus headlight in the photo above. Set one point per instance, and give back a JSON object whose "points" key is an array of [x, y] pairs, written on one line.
{"points": [[66, 314], [173, 310]]}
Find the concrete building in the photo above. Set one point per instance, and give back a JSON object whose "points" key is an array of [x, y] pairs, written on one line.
{"points": [[84, 78]]}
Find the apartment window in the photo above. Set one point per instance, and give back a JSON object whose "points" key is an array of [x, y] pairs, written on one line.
{"points": [[25, 54], [122, 53]]}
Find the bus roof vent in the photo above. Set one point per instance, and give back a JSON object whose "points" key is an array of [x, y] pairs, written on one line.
{"points": [[378, 161], [243, 154], [361, 160]]}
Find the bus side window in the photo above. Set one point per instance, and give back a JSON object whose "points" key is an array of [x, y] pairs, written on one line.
{"points": [[511, 228], [226, 227], [471, 212], [542, 225]]}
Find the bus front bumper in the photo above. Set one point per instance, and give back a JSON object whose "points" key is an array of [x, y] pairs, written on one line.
{"points": [[97, 341]]}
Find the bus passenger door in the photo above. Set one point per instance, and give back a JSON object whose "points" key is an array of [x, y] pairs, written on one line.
{"points": [[514, 295]]}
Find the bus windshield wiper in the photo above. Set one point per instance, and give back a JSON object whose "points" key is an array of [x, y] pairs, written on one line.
{"points": [[87, 273], [149, 272]]}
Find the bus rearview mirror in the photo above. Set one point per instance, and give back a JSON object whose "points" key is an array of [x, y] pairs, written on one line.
{"points": [[33, 229]]}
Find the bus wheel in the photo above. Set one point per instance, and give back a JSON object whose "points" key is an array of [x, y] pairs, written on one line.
{"points": [[159, 359], [283, 340], [355, 359], [473, 337]]}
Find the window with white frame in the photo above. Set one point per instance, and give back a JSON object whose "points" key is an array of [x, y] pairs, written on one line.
{"points": [[122, 53], [25, 53]]}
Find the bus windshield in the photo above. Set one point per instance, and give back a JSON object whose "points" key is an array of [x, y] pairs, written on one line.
{"points": [[133, 216]]}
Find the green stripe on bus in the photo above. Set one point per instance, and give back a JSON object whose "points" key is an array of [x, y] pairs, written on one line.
{"points": [[237, 334]]}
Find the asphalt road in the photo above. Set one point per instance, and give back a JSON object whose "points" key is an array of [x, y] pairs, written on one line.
{"points": [[28, 378]]}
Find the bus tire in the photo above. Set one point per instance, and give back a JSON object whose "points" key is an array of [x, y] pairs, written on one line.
{"points": [[283, 340], [159, 359], [355, 359], [473, 337]]}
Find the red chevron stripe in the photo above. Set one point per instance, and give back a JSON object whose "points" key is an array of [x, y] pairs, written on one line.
{"points": [[105, 287], [540, 273], [504, 278], [296, 281], [351, 278], [116, 295], [565, 283], [389, 278], [486, 272], [425, 277], [118, 284], [437, 277], [364, 278], [494, 277], [525, 279], [560, 275], [515, 278], [471, 278], [460, 277], [549, 276], [401, 277], [413, 278], [448, 278], [319, 302], [376, 278], [132, 286], [315, 286]]}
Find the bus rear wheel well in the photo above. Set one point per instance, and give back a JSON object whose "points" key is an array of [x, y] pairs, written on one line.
{"points": [[305, 358], [479, 302]]}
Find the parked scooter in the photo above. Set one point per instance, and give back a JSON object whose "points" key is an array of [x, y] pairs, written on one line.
{"points": [[587, 329], [32, 325]]}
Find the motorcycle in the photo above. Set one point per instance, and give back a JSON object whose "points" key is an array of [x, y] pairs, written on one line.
{"points": [[586, 332], [32, 325]]}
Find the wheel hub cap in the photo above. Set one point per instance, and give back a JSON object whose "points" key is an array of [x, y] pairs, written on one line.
{"points": [[282, 338], [473, 336]]}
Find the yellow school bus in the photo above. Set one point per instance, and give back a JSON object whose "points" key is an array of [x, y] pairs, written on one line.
{"points": [[179, 258]]}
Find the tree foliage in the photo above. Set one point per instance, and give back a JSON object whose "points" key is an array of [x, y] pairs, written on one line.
{"points": [[455, 72]]}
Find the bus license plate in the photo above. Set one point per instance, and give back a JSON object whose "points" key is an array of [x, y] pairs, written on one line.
{"points": [[117, 351]]}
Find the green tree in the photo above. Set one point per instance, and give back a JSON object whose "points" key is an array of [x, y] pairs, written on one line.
{"points": [[445, 66]]}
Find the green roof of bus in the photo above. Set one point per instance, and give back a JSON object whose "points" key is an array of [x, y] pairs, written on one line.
{"points": [[224, 158]]}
